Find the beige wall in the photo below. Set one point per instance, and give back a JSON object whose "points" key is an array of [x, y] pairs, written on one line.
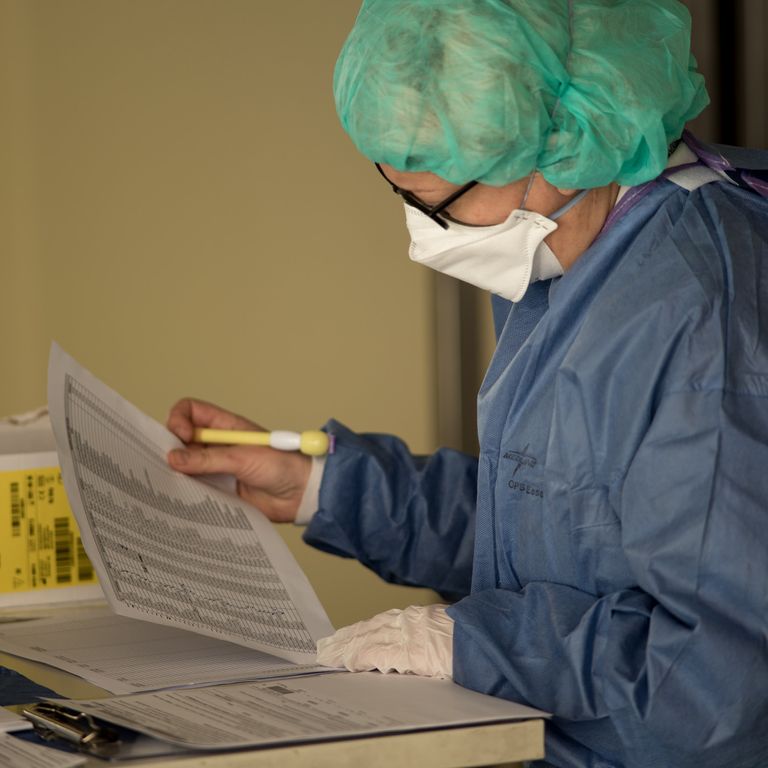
{"points": [[180, 210]]}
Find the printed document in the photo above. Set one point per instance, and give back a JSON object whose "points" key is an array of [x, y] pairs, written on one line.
{"points": [[300, 709], [166, 547], [10, 721], [15, 753]]}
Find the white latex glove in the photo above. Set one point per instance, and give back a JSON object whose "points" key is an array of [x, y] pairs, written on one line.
{"points": [[418, 640]]}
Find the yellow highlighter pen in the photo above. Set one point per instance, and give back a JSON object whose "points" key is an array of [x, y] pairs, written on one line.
{"points": [[312, 442]]}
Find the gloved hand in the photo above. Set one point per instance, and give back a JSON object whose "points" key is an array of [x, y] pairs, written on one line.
{"points": [[418, 640]]}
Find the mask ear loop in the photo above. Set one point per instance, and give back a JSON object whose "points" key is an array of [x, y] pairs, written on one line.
{"points": [[560, 211], [527, 190], [567, 207], [563, 86]]}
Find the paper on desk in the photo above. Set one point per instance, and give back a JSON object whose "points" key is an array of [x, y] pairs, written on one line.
{"points": [[166, 547], [15, 753], [10, 721], [301, 709], [124, 655]]}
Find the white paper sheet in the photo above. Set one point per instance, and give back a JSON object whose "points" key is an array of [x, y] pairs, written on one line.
{"points": [[10, 721], [302, 709], [15, 753], [166, 547], [62, 595], [124, 655]]}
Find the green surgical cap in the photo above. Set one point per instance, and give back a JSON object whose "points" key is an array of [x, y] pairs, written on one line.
{"points": [[587, 91]]}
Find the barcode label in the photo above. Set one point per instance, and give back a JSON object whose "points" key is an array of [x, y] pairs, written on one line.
{"points": [[63, 544], [84, 565], [40, 546], [17, 506]]}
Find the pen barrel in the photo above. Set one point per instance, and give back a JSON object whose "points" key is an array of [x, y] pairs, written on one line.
{"points": [[312, 442], [230, 437]]}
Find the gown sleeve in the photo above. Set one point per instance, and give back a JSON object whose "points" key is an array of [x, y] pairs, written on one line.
{"points": [[408, 518]]}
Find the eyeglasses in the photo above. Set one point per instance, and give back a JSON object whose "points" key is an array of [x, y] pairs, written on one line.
{"points": [[433, 211]]}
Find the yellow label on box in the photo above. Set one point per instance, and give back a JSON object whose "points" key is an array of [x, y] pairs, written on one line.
{"points": [[40, 545]]}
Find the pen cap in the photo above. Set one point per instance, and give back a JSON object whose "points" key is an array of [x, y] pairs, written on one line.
{"points": [[314, 443]]}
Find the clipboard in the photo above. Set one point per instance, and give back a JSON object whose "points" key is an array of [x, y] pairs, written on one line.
{"points": [[91, 736], [398, 712]]}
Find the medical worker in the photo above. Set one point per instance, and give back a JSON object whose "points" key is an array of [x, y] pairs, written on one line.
{"points": [[606, 558]]}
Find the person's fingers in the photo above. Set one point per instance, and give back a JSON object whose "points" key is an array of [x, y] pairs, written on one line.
{"points": [[356, 645], [189, 413], [330, 651], [206, 461], [272, 481], [418, 639]]}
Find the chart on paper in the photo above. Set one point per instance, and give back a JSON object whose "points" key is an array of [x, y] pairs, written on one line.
{"points": [[176, 550]]}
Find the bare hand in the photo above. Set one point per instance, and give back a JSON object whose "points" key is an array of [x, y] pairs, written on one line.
{"points": [[273, 481]]}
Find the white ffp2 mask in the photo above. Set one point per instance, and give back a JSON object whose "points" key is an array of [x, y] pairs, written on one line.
{"points": [[503, 258]]}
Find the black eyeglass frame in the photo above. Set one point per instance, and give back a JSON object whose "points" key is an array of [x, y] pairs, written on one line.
{"points": [[433, 211]]}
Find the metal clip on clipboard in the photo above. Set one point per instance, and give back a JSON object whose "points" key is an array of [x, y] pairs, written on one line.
{"points": [[53, 722]]}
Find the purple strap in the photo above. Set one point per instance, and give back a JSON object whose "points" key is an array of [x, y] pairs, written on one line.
{"points": [[759, 185], [630, 199], [635, 194], [718, 162], [710, 158], [706, 155]]}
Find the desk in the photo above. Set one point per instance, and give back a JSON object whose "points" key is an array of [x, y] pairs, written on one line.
{"points": [[449, 748]]}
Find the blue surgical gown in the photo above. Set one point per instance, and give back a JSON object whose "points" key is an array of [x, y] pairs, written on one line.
{"points": [[609, 548]]}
